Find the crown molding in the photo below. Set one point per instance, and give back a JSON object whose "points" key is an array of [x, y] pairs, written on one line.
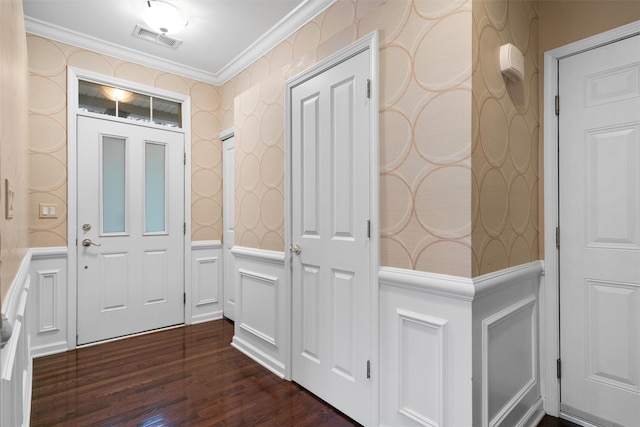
{"points": [[288, 25], [298, 17]]}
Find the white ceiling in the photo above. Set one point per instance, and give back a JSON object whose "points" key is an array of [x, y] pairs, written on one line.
{"points": [[221, 39]]}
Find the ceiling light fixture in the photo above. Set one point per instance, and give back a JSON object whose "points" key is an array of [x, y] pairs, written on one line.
{"points": [[164, 17]]}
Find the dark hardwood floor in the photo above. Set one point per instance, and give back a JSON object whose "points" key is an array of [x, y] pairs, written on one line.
{"points": [[549, 421], [189, 376]]}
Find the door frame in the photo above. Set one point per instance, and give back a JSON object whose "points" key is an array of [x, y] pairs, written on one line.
{"points": [[369, 42], [549, 292], [228, 274], [73, 76]]}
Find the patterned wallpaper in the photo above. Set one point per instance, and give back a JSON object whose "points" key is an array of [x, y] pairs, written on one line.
{"points": [[425, 128], [47, 140], [13, 140], [505, 138], [458, 145]]}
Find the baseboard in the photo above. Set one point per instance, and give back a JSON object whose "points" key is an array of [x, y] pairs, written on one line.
{"points": [[259, 356], [206, 317], [49, 349], [534, 415]]}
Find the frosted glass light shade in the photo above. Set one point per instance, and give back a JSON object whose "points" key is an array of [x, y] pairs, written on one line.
{"points": [[164, 17]]}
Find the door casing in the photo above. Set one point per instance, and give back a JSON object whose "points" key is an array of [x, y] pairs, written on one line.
{"points": [[73, 75], [549, 291], [370, 42]]}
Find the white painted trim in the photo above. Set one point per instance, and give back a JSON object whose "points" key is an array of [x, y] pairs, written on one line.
{"points": [[534, 415], [226, 134], [50, 252], [371, 43], [302, 14], [455, 287], [15, 364], [288, 25], [259, 356], [276, 257], [515, 400], [73, 75], [206, 244], [441, 330], [550, 325], [12, 298], [493, 282]]}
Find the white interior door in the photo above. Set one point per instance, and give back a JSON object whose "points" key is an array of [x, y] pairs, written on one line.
{"points": [[331, 287], [599, 155], [130, 229], [228, 166]]}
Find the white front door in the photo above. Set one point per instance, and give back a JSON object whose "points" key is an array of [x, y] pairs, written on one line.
{"points": [[228, 181], [331, 287], [599, 187], [130, 229]]}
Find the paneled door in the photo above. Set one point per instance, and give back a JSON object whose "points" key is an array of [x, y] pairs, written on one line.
{"points": [[130, 229], [599, 187], [331, 287], [228, 182]]}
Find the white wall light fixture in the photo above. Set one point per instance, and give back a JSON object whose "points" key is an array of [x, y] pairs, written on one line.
{"points": [[164, 17], [511, 62]]}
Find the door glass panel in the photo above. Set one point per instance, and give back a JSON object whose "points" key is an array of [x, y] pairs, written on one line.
{"points": [[155, 187], [96, 98], [134, 106], [113, 101], [167, 113], [113, 184]]}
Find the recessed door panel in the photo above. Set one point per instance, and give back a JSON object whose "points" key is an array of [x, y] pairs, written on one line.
{"points": [[310, 312], [344, 323], [156, 276], [612, 193], [310, 146], [115, 280], [343, 166]]}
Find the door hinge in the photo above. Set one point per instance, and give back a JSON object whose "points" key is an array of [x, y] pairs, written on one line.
{"points": [[185, 158], [369, 228], [184, 228], [557, 105], [368, 369], [369, 88], [559, 368], [558, 237], [184, 298]]}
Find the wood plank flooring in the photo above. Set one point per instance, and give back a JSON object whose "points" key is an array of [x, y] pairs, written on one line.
{"points": [[189, 376]]}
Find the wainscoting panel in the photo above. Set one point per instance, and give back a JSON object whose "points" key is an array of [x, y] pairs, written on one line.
{"points": [[48, 301], [262, 311], [506, 357], [15, 357], [425, 336], [206, 296]]}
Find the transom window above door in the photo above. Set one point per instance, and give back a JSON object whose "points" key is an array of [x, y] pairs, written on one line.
{"points": [[112, 101]]}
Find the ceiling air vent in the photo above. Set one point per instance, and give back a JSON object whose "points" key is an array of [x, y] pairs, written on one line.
{"points": [[156, 37]]}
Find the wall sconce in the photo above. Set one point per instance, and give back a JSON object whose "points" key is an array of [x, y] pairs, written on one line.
{"points": [[164, 17], [511, 62]]}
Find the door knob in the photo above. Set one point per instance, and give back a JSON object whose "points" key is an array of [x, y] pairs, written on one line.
{"points": [[88, 242], [295, 249]]}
